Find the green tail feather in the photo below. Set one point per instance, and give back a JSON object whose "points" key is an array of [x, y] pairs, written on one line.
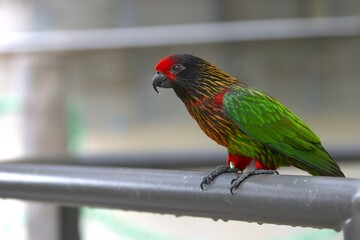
{"points": [[316, 161]]}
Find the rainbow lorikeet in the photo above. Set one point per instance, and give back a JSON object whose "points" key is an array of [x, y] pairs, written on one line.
{"points": [[253, 126]]}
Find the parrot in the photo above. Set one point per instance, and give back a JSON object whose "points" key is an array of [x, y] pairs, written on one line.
{"points": [[259, 132]]}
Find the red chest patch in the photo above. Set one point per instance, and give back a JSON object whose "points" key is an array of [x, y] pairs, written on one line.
{"points": [[218, 99]]}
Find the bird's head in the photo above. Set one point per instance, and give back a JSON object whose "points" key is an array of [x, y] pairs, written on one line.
{"points": [[174, 70], [192, 78]]}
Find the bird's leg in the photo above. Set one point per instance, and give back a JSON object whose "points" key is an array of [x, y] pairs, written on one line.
{"points": [[216, 172], [253, 171]]}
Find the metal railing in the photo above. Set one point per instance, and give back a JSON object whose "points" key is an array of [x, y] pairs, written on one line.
{"points": [[319, 202]]}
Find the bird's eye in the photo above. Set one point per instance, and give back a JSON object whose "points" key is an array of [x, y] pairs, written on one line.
{"points": [[177, 68]]}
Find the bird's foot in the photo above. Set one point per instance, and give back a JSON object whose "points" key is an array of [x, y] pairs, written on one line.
{"points": [[216, 172], [235, 183]]}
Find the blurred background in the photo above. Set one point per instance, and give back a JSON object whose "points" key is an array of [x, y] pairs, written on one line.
{"points": [[75, 79]]}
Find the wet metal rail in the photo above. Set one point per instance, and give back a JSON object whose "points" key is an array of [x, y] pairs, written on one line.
{"points": [[319, 202]]}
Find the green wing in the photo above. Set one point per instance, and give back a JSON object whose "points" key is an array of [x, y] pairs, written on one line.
{"points": [[269, 122]]}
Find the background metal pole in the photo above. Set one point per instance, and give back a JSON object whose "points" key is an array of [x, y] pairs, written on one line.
{"points": [[43, 129], [352, 225], [151, 36], [69, 223], [169, 160]]}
